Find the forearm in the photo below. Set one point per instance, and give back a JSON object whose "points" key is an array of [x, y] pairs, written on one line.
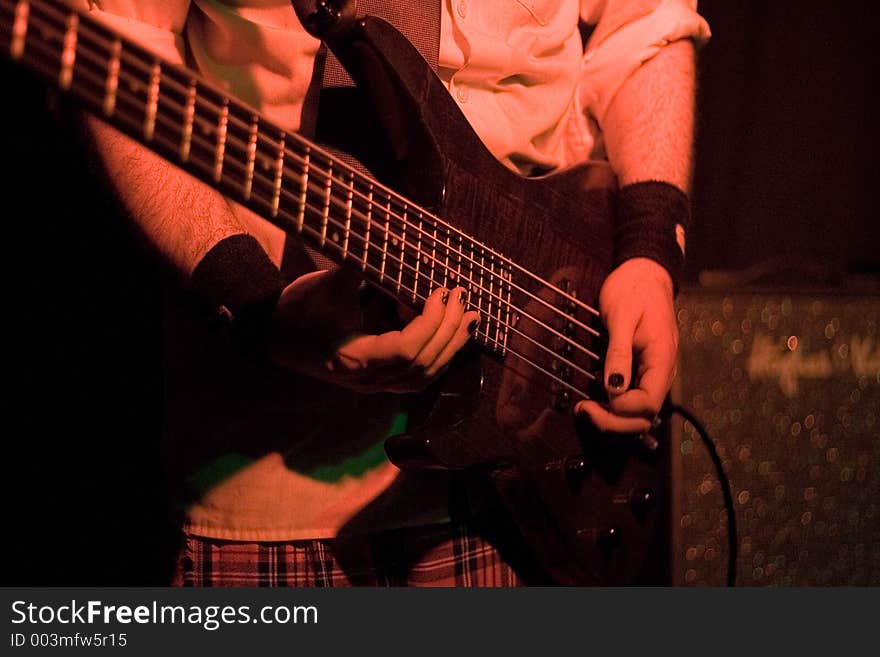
{"points": [[649, 126], [181, 216], [648, 136]]}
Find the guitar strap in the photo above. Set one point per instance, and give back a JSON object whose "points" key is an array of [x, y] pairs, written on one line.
{"points": [[334, 112]]}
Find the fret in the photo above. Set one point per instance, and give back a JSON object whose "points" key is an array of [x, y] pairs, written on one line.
{"points": [[458, 274], [418, 260], [19, 29], [500, 305], [481, 284], [402, 245], [303, 187], [348, 208], [220, 149], [498, 301], [189, 116], [152, 101], [68, 53], [369, 220], [385, 239], [446, 274], [510, 319], [470, 285], [251, 157], [112, 85], [480, 292], [489, 298], [276, 185], [433, 254], [475, 294], [325, 213]]}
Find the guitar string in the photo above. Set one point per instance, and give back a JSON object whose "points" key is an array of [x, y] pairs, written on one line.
{"points": [[168, 69], [137, 123], [500, 302]]}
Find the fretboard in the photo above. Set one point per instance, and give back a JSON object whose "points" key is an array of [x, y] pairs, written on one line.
{"points": [[291, 182]]}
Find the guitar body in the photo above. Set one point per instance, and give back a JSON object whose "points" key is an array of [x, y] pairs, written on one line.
{"points": [[587, 504]]}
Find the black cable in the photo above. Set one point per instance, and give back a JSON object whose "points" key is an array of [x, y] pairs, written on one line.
{"points": [[725, 487]]}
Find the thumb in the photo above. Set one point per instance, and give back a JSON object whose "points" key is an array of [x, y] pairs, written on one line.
{"points": [[343, 280], [618, 359], [319, 306]]}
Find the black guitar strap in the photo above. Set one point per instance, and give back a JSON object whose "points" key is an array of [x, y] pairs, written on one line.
{"points": [[334, 114]]}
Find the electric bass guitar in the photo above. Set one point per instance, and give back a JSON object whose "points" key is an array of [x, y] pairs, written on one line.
{"points": [[532, 253]]}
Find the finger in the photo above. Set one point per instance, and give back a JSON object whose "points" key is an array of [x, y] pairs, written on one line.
{"points": [[618, 358], [445, 332], [646, 398], [466, 329], [605, 420], [399, 347], [414, 380]]}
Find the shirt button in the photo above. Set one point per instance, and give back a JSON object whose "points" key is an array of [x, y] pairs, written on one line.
{"points": [[462, 8]]}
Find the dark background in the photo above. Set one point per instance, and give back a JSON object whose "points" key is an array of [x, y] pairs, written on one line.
{"points": [[785, 184]]}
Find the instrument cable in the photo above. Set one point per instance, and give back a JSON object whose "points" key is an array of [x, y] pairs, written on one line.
{"points": [[673, 409]]}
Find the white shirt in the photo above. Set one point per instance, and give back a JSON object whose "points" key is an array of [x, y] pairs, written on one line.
{"points": [[517, 68]]}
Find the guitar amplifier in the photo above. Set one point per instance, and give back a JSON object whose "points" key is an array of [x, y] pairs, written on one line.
{"points": [[787, 383]]}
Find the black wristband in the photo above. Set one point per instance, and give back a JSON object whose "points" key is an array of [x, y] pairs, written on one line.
{"points": [[237, 277], [649, 217]]}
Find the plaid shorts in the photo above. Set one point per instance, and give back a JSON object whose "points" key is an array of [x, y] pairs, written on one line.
{"points": [[483, 551]]}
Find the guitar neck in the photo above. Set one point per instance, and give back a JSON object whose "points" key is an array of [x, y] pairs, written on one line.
{"points": [[288, 180]]}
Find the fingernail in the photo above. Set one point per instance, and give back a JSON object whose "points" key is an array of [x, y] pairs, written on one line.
{"points": [[615, 380], [444, 297], [462, 297], [473, 326], [649, 442]]}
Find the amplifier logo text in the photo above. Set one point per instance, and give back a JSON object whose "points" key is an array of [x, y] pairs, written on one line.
{"points": [[788, 363]]}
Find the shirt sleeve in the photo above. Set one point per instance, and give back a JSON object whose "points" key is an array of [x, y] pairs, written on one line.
{"points": [[157, 25], [626, 34]]}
